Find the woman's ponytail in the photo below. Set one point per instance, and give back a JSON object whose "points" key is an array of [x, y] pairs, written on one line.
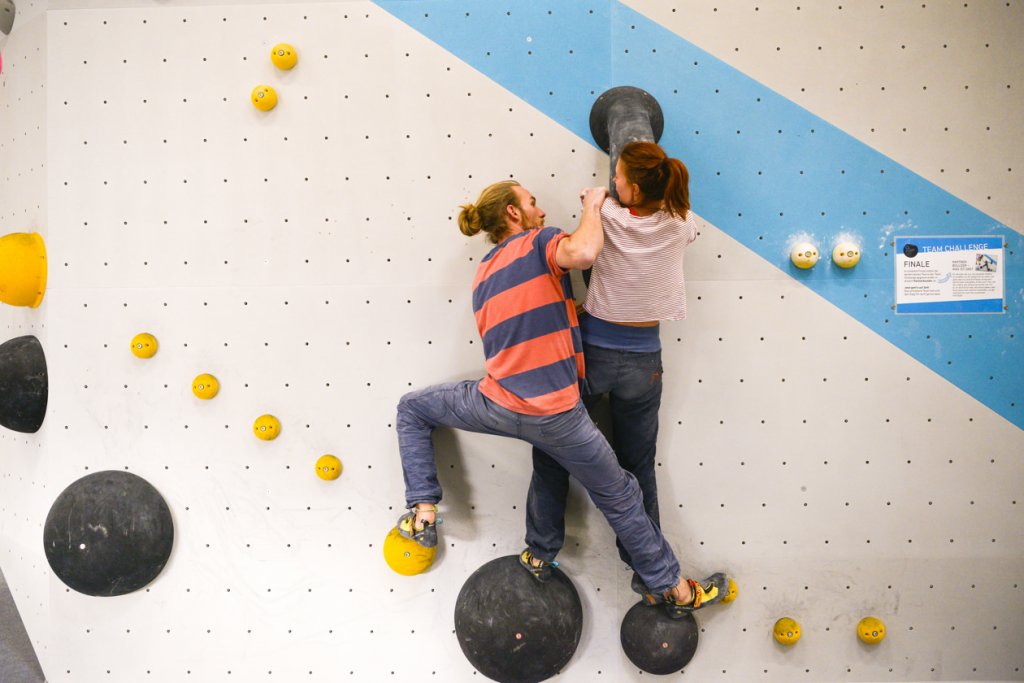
{"points": [[677, 188]]}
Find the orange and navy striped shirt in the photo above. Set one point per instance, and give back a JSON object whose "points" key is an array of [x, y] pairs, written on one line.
{"points": [[524, 309]]}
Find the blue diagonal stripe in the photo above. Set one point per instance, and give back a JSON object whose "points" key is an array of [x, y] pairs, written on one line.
{"points": [[762, 168]]}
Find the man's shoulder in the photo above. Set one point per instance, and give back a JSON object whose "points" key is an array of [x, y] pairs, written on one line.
{"points": [[547, 233]]}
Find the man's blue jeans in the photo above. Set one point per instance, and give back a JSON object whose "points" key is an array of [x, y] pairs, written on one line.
{"points": [[633, 384], [570, 438]]}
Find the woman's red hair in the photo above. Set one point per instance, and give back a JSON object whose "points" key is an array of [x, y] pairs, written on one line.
{"points": [[659, 176]]}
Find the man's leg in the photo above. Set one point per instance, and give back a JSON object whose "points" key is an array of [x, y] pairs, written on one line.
{"points": [[459, 405], [576, 444], [549, 486]]}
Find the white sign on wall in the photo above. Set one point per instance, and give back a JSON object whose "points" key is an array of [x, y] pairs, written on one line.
{"points": [[949, 274]]}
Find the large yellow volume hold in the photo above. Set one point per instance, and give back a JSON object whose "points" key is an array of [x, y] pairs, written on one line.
{"points": [[406, 556], [22, 269]]}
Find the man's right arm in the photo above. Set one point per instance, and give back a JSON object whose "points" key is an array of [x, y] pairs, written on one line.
{"points": [[581, 248]]}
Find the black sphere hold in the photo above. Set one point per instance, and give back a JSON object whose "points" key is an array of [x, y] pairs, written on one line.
{"points": [[655, 642], [108, 533], [23, 384], [514, 629]]}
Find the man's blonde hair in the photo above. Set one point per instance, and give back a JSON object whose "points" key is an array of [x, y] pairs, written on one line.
{"points": [[488, 214]]}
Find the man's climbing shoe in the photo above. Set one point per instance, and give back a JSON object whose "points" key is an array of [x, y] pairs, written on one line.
{"points": [[426, 537], [540, 569], [707, 592]]}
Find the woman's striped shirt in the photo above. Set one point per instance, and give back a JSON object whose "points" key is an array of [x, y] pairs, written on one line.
{"points": [[639, 274]]}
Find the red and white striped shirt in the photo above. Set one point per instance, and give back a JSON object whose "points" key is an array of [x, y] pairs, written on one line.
{"points": [[639, 274]]}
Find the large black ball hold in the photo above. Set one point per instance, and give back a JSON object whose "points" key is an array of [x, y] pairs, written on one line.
{"points": [[23, 384], [514, 629], [108, 533], [655, 642]]}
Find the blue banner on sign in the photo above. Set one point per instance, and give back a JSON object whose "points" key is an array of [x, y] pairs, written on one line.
{"points": [[939, 244], [949, 274]]}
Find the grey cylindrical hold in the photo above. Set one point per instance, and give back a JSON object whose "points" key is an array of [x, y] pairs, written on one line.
{"points": [[7, 12], [622, 115]]}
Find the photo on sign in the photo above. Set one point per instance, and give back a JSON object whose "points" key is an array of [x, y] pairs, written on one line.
{"points": [[985, 262]]}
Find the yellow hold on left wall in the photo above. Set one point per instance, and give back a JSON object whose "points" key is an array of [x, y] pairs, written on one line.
{"points": [[22, 269]]}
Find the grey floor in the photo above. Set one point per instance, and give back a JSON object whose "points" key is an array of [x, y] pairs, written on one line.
{"points": [[18, 663]]}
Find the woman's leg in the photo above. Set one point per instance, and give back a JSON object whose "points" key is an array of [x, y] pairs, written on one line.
{"points": [[634, 404]]}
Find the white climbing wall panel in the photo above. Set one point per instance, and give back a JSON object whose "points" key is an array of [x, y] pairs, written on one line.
{"points": [[23, 208], [309, 258]]}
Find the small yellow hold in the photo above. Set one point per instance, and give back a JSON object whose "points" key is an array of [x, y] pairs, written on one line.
{"points": [[786, 631], [733, 591], [205, 386], [804, 255], [328, 467], [871, 630], [144, 345], [846, 255], [284, 56], [406, 556], [266, 427], [264, 97]]}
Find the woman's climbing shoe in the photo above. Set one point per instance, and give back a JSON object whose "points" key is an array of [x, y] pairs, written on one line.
{"points": [[638, 586], [540, 569]]}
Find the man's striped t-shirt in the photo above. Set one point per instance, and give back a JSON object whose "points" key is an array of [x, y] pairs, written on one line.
{"points": [[524, 309]]}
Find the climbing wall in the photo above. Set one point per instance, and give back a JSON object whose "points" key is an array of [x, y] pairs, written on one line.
{"points": [[23, 209], [309, 258]]}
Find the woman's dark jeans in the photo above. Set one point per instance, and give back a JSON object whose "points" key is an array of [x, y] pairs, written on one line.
{"points": [[633, 384]]}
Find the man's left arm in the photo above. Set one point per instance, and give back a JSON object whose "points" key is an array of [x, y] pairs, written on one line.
{"points": [[581, 248]]}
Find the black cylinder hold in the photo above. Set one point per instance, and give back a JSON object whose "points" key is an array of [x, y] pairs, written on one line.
{"points": [[7, 12], [514, 629], [622, 115], [108, 533], [655, 642], [23, 384]]}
